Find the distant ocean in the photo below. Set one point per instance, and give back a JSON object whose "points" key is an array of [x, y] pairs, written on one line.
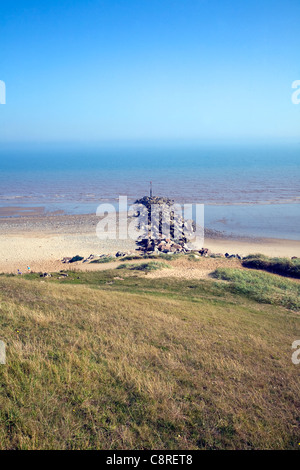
{"points": [[247, 190]]}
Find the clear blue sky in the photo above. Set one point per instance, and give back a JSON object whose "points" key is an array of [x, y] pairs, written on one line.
{"points": [[149, 69]]}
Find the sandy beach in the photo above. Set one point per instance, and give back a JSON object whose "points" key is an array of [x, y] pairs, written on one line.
{"points": [[42, 241]]}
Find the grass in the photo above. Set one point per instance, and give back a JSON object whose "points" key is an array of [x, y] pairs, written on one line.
{"points": [[106, 259], [95, 361], [263, 287], [193, 257], [167, 257], [146, 267], [283, 266], [163, 256], [153, 255], [133, 257]]}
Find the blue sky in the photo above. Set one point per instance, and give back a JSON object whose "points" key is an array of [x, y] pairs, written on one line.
{"points": [[89, 71]]}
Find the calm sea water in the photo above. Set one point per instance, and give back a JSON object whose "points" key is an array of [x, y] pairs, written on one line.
{"points": [[250, 190]]}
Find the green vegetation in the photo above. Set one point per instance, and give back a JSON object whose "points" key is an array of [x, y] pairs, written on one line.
{"points": [[99, 361], [167, 257], [164, 256], [193, 257], [133, 257], [76, 258], [147, 267], [105, 259], [282, 266], [263, 287]]}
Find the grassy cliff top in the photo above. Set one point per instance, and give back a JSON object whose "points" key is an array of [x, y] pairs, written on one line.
{"points": [[113, 360]]}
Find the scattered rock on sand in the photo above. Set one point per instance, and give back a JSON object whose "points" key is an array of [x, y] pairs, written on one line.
{"points": [[227, 255], [120, 254], [205, 252]]}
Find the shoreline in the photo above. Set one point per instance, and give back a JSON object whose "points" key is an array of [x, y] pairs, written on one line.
{"points": [[239, 221], [42, 241]]}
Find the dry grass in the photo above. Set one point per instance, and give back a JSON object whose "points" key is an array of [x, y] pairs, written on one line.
{"points": [[179, 367], [262, 286]]}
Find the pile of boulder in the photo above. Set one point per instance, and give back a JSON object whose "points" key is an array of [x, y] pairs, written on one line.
{"points": [[163, 228], [148, 201], [168, 246]]}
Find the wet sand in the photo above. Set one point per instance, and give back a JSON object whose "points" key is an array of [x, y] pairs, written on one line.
{"points": [[21, 211]]}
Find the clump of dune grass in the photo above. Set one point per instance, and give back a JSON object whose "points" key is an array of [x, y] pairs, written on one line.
{"points": [[164, 256], [169, 257], [193, 257], [105, 259], [283, 266], [255, 256], [147, 267], [132, 257], [263, 287]]}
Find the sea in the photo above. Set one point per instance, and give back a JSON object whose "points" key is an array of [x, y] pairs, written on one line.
{"points": [[247, 189]]}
